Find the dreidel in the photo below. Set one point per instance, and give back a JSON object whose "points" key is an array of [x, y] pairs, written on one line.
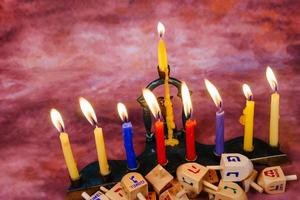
{"points": [[134, 186], [212, 176], [191, 177], [115, 193], [234, 167], [227, 190], [176, 192], [96, 196], [159, 178], [151, 196], [250, 182], [273, 180]]}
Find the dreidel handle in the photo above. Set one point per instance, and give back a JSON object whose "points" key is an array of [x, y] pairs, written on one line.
{"points": [[215, 167], [291, 177], [104, 189], [85, 195], [256, 187], [209, 185], [208, 190], [140, 196], [180, 193]]}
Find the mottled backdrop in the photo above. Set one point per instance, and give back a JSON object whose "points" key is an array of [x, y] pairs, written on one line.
{"points": [[52, 52]]}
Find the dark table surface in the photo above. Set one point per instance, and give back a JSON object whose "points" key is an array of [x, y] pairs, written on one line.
{"points": [[52, 52]]}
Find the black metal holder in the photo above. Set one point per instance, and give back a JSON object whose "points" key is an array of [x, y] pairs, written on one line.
{"points": [[263, 154]]}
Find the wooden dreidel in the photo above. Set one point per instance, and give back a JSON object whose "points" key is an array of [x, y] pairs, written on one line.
{"points": [[159, 178], [191, 177], [96, 196], [250, 182], [234, 167], [212, 176], [227, 190], [176, 192], [273, 180], [134, 186], [151, 196], [115, 193]]}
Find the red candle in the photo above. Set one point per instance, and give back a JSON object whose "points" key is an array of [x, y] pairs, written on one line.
{"points": [[160, 143], [158, 126], [190, 139], [190, 124]]}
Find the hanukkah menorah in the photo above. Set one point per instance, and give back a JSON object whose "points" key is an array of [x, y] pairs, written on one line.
{"points": [[175, 155]]}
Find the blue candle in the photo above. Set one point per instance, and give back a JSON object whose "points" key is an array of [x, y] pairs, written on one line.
{"points": [[219, 149], [127, 137]]}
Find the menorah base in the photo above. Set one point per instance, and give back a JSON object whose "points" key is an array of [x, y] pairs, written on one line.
{"points": [[262, 154]]}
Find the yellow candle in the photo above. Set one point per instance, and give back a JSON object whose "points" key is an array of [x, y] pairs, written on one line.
{"points": [[65, 144], [100, 146], [69, 158], [163, 66], [247, 119], [274, 113], [89, 113], [274, 120], [161, 50]]}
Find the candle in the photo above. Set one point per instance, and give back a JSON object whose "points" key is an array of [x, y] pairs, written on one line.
{"points": [[163, 66], [219, 149], [161, 49], [158, 126], [65, 144], [190, 124], [90, 115], [127, 137], [274, 113], [247, 119]]}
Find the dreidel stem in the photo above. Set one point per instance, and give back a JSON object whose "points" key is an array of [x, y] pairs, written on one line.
{"points": [[180, 194], [256, 187], [140, 196], [210, 186], [85, 195], [215, 167], [291, 177], [208, 190], [103, 189]]}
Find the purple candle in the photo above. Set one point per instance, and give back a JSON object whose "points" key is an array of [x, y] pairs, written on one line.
{"points": [[219, 132], [219, 142]]}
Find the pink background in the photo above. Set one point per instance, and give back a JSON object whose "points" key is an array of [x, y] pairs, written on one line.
{"points": [[52, 52]]}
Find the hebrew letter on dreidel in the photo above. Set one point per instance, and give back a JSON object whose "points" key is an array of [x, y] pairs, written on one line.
{"points": [[276, 187], [133, 179], [272, 173], [194, 170], [233, 159], [234, 173], [233, 189]]}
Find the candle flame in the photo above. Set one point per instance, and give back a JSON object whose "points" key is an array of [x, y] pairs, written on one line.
{"points": [[247, 92], [160, 29], [213, 93], [271, 79], [88, 110], [57, 120], [186, 99], [151, 102], [122, 111]]}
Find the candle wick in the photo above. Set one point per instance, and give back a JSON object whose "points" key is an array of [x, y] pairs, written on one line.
{"points": [[220, 106], [61, 128], [126, 119], [251, 97]]}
